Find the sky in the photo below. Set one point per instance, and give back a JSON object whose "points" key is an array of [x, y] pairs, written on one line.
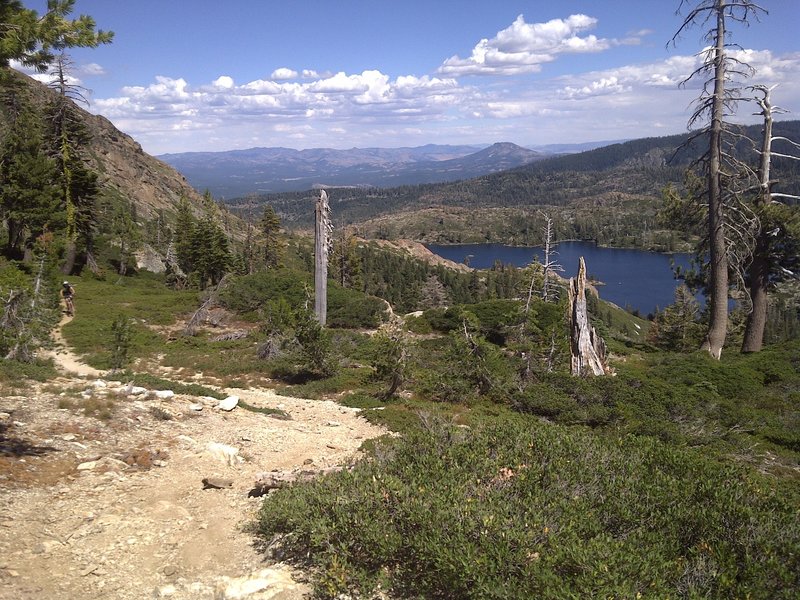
{"points": [[209, 75]]}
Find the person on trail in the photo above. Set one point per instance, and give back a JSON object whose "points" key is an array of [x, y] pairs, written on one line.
{"points": [[67, 292]]}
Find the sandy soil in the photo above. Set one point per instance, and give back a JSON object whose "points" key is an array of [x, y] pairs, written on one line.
{"points": [[115, 508]]}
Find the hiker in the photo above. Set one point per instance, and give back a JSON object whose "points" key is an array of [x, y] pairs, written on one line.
{"points": [[67, 292]]}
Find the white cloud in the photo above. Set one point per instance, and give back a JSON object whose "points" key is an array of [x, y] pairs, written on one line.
{"points": [[373, 108], [283, 73], [604, 85], [223, 82], [91, 70], [525, 47], [370, 95]]}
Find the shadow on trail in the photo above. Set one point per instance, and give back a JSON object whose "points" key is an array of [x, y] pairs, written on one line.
{"points": [[15, 447]]}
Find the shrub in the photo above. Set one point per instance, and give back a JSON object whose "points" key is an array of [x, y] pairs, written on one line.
{"points": [[121, 345], [524, 510], [352, 310], [277, 288]]}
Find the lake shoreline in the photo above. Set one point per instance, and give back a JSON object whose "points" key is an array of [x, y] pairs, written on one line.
{"points": [[556, 244], [634, 279]]}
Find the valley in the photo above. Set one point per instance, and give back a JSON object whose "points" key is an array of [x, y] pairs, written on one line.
{"points": [[341, 372]]}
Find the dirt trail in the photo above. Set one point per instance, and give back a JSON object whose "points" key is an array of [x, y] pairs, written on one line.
{"points": [[63, 356], [116, 509]]}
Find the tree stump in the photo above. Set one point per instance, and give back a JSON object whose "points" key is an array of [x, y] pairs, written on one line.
{"points": [[587, 349]]}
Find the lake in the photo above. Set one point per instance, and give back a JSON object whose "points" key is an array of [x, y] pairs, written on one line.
{"points": [[633, 278]]}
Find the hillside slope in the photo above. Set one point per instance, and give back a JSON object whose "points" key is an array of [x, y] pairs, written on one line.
{"points": [[125, 170]]}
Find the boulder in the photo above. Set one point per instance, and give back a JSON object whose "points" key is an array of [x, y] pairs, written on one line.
{"points": [[229, 403]]}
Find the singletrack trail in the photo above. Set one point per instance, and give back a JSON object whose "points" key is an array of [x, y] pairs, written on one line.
{"points": [[115, 507]]}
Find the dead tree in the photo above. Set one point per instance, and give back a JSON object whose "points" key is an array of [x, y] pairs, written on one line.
{"points": [[549, 266], [762, 264], [715, 102], [322, 237], [587, 349], [202, 314]]}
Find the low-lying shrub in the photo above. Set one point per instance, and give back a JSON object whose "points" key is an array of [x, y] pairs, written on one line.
{"points": [[526, 510]]}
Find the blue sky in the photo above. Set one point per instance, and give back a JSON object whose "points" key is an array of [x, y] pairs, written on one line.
{"points": [[209, 75]]}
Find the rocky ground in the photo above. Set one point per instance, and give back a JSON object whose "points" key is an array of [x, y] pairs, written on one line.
{"points": [[113, 505]]}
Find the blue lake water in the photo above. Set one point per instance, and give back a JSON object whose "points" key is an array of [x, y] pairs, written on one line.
{"points": [[632, 278]]}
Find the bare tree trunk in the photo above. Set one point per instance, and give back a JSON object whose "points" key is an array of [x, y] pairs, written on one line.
{"points": [[549, 266], [548, 238], [718, 276], [321, 247], [37, 286], [759, 268], [70, 253], [588, 351], [123, 260]]}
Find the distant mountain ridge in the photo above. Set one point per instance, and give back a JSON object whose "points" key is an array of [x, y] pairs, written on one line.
{"points": [[236, 173], [597, 193]]}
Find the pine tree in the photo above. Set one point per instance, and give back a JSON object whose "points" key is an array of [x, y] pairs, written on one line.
{"points": [[716, 102], [678, 327], [33, 41], [185, 225], [29, 200], [433, 294], [68, 136], [210, 254], [344, 260], [269, 228], [126, 234]]}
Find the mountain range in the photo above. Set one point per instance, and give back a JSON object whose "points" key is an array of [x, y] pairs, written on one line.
{"points": [[609, 194], [237, 173]]}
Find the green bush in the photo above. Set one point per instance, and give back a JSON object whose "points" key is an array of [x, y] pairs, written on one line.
{"points": [[524, 510], [353, 310], [247, 294], [346, 308]]}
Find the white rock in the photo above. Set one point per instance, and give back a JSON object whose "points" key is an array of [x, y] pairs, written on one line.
{"points": [[48, 546], [86, 394], [165, 591], [196, 407], [164, 394], [267, 583], [229, 403], [87, 466], [135, 390], [112, 463], [99, 384], [224, 453]]}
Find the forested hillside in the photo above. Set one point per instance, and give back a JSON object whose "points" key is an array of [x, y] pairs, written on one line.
{"points": [[610, 194], [74, 184]]}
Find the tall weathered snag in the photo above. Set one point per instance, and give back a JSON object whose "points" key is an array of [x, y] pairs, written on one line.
{"points": [[587, 349], [321, 247], [717, 100], [775, 253]]}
